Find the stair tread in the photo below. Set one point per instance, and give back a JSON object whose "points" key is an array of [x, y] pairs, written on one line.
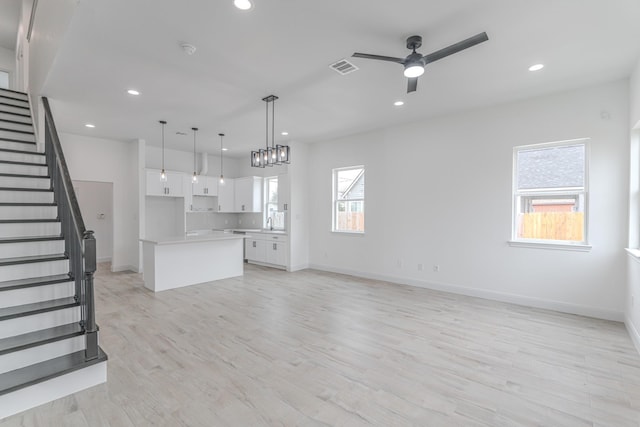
{"points": [[43, 336], [26, 204], [28, 132], [21, 141], [37, 307], [43, 371], [35, 153], [15, 162], [34, 281], [14, 91], [22, 175], [4, 104], [29, 221], [31, 259], [26, 188], [15, 114], [16, 122], [30, 239]]}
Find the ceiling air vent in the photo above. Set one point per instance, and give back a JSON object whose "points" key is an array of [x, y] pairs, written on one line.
{"points": [[343, 67]]}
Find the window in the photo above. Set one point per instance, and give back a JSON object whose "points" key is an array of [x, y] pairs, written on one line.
{"points": [[348, 199], [271, 204], [550, 193]]}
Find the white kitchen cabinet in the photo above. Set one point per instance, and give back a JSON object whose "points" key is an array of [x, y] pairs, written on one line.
{"points": [[255, 249], [283, 193], [172, 187], [206, 186], [248, 194], [226, 196], [268, 249]]}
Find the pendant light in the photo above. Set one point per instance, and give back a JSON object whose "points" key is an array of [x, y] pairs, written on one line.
{"points": [[163, 175], [194, 178], [272, 154], [221, 135]]}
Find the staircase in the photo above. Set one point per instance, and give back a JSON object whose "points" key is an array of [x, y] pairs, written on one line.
{"points": [[48, 337]]}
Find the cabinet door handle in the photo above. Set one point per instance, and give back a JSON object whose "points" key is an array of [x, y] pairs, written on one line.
{"points": [[275, 246], [254, 244], [219, 208], [242, 207], [286, 206]]}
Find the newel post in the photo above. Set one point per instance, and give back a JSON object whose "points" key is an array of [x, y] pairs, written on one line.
{"points": [[91, 330]]}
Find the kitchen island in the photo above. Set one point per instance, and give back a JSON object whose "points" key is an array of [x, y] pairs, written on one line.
{"points": [[174, 262]]}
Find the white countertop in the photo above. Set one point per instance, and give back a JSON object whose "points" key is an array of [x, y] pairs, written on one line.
{"points": [[260, 231], [195, 238]]}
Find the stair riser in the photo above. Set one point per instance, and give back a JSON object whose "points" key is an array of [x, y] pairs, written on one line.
{"points": [[36, 269], [26, 197], [11, 109], [15, 126], [23, 229], [15, 118], [23, 169], [29, 356], [22, 157], [27, 137], [36, 294], [20, 249], [11, 94], [20, 182], [12, 101], [50, 319], [28, 212]]}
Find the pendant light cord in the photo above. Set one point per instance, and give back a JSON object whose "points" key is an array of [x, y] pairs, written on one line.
{"points": [[221, 153], [273, 120]]}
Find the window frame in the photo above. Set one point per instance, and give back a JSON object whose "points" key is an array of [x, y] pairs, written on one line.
{"points": [[570, 192], [266, 203], [335, 200]]}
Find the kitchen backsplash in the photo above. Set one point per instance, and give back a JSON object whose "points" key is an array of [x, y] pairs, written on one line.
{"points": [[213, 220]]}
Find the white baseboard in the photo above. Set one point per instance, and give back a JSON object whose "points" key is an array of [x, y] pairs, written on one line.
{"points": [[56, 388], [298, 267], [633, 332], [119, 268], [528, 301], [105, 259]]}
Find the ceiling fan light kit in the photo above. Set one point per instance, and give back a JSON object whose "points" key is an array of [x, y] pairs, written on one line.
{"points": [[273, 154], [415, 62]]}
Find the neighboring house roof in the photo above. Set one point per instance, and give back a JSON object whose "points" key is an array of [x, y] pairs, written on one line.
{"points": [[356, 189], [552, 167]]}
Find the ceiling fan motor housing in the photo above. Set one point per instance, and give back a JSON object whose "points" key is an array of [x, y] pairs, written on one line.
{"points": [[414, 42]]}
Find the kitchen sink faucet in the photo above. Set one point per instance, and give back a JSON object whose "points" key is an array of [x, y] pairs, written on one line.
{"points": [[270, 223]]}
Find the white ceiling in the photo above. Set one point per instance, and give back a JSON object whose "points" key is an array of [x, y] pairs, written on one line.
{"points": [[284, 47]]}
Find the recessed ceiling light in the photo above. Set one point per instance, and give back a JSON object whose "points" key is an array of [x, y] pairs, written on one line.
{"points": [[285, 133], [133, 92], [89, 125], [398, 103], [243, 4], [536, 67], [225, 149]]}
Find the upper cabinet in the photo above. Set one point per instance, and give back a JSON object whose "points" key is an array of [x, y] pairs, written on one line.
{"points": [[283, 193], [206, 186], [172, 187], [226, 195], [248, 194]]}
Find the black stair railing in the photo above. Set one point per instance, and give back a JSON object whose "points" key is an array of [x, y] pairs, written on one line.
{"points": [[80, 244]]}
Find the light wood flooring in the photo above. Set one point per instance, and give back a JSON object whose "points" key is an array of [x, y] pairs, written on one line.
{"points": [[319, 349]]}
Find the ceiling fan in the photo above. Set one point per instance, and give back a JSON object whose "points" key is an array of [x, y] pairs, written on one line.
{"points": [[414, 63]]}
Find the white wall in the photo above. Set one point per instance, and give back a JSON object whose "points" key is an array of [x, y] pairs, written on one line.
{"points": [[438, 192], [298, 214], [96, 205], [104, 160], [632, 310]]}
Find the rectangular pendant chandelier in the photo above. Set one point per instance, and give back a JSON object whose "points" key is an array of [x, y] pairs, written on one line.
{"points": [[273, 154]]}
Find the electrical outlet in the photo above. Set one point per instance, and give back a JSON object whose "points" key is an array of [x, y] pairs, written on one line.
{"points": [[398, 263], [253, 222], [226, 221], [436, 268], [239, 222], [420, 267]]}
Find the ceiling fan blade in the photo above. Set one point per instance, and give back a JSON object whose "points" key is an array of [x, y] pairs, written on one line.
{"points": [[412, 84], [457, 47], [378, 57]]}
